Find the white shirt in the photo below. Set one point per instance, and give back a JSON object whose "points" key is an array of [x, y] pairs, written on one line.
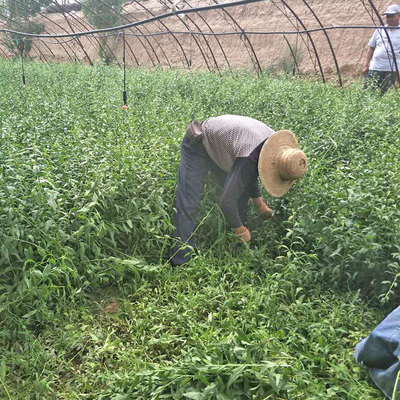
{"points": [[382, 59]]}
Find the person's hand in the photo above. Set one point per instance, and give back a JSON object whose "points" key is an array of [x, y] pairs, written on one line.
{"points": [[265, 212], [262, 209], [365, 70], [243, 233]]}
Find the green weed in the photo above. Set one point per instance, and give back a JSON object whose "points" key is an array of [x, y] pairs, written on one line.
{"points": [[86, 198]]}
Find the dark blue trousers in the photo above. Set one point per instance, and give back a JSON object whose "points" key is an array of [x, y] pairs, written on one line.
{"points": [[380, 353], [194, 166], [383, 80]]}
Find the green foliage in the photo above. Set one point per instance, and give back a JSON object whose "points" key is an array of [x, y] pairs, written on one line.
{"points": [[23, 8], [19, 44], [103, 14], [290, 61], [86, 198], [16, 15]]}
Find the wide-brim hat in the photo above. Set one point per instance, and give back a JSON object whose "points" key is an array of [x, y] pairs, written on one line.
{"points": [[281, 163]]}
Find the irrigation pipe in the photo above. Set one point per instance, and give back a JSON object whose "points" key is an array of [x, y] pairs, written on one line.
{"points": [[138, 23], [329, 42], [93, 33]]}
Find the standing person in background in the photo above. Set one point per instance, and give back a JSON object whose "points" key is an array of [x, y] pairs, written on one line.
{"points": [[379, 68], [237, 149]]}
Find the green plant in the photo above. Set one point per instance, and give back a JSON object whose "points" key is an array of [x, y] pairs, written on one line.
{"points": [[16, 15], [290, 61], [103, 14], [86, 199]]}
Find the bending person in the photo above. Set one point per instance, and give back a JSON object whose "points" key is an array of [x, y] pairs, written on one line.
{"points": [[237, 149]]}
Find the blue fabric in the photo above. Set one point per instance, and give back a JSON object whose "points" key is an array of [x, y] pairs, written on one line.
{"points": [[380, 353], [193, 168], [380, 79], [238, 185]]}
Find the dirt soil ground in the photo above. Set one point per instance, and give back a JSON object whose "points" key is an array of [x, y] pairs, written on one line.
{"points": [[311, 53]]}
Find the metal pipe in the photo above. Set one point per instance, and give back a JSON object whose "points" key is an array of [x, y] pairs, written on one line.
{"points": [[329, 43], [138, 23], [41, 54], [144, 47], [389, 40], [250, 50], [195, 39], [165, 26], [309, 38]]}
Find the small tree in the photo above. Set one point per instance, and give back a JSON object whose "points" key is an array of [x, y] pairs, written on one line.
{"points": [[17, 16], [103, 14]]}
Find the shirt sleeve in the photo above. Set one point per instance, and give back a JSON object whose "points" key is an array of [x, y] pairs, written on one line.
{"points": [[372, 41], [241, 181]]}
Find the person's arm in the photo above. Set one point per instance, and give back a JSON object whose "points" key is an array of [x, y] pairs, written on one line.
{"points": [[262, 209], [243, 174], [370, 53]]}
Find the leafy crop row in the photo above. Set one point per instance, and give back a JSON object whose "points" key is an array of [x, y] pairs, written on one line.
{"points": [[86, 199]]}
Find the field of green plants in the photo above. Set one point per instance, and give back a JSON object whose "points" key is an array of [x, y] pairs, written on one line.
{"points": [[90, 307]]}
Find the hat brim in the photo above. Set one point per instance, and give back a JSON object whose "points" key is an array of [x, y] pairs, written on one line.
{"points": [[269, 160]]}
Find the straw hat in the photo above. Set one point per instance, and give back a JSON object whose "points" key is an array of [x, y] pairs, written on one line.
{"points": [[281, 163]]}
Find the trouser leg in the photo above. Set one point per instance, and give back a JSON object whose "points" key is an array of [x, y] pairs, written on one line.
{"points": [[242, 206], [382, 80], [388, 80], [371, 80], [380, 352], [221, 176], [193, 168]]}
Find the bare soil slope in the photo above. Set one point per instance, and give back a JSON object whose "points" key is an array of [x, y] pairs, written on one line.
{"points": [[308, 53]]}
